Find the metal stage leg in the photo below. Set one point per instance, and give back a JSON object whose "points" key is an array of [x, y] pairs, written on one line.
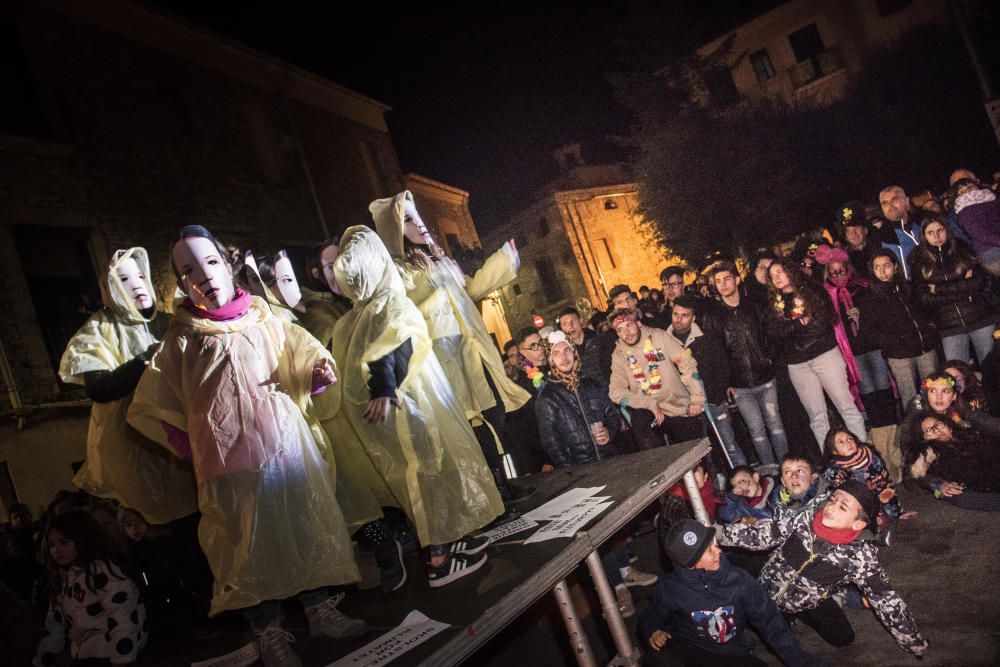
{"points": [[694, 495], [628, 654], [577, 637]]}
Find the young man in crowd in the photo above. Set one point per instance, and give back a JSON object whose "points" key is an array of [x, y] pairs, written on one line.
{"points": [[829, 544], [709, 351], [672, 279], [854, 235], [752, 380], [656, 379], [622, 298], [901, 231], [586, 343], [700, 611]]}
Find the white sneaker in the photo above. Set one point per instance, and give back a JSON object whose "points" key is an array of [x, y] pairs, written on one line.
{"points": [[625, 604], [637, 577], [274, 644], [325, 620]]}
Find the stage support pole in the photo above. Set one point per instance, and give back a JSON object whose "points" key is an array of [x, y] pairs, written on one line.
{"points": [[628, 653], [694, 495], [577, 637]]}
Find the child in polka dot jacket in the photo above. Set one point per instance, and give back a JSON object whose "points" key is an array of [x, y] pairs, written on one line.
{"points": [[93, 603]]}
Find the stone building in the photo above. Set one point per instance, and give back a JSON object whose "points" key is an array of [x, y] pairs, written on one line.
{"points": [[120, 125], [805, 50], [580, 237]]}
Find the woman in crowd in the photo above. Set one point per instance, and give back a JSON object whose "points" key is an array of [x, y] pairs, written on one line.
{"points": [[969, 387], [961, 466], [949, 280], [802, 319]]}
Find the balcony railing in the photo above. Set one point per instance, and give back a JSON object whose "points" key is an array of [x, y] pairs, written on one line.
{"points": [[815, 68]]}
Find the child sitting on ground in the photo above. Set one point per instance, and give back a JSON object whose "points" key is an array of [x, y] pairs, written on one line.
{"points": [[700, 610], [708, 497], [746, 502], [847, 459]]}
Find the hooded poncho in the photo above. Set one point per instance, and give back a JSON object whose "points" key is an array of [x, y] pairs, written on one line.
{"points": [[456, 327], [425, 451], [121, 463], [271, 526]]}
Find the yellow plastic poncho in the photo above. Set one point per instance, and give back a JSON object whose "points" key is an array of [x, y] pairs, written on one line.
{"points": [[270, 526], [461, 341], [425, 451], [121, 463], [322, 313]]}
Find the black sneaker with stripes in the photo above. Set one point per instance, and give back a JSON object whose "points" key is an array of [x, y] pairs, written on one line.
{"points": [[468, 545], [454, 568]]}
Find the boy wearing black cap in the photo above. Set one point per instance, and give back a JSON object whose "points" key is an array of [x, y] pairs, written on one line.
{"points": [[821, 549], [699, 612]]}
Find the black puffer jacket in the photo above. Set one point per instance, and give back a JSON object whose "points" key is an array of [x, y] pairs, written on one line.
{"points": [[801, 342], [956, 301], [895, 321], [750, 362], [565, 430]]}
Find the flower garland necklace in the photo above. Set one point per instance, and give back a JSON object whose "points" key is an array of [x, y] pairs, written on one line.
{"points": [[653, 358], [798, 306], [534, 374]]}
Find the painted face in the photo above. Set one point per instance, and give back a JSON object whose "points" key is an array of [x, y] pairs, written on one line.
{"points": [[711, 559], [682, 318], [134, 526], [940, 397], [629, 332], [134, 282], [797, 476], [288, 284], [856, 236], [845, 444], [531, 349], [572, 327], [562, 357], [842, 512], [204, 275], [745, 484], [726, 283], [779, 278], [933, 428], [895, 204], [61, 548], [327, 259], [673, 287], [414, 228], [936, 234], [624, 300], [884, 269]]}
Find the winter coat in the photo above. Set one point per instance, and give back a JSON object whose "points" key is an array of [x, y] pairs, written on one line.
{"points": [[564, 419], [735, 508], [709, 351], [656, 372], [802, 342], [710, 611], [968, 459], [747, 345], [901, 239], [804, 570], [957, 302], [895, 321], [867, 467], [979, 216], [783, 503]]}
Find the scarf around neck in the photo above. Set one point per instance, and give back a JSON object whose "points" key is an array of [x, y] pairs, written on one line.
{"points": [[832, 535], [235, 309]]}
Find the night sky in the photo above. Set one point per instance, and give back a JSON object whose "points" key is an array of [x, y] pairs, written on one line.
{"points": [[479, 102]]}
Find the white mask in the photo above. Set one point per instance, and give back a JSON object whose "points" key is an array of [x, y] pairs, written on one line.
{"points": [[288, 285], [204, 274], [135, 284], [413, 225]]}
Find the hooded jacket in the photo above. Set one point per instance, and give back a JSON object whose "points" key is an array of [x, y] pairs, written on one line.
{"points": [[711, 610], [114, 345], [737, 507], [655, 359], [804, 570], [957, 301]]}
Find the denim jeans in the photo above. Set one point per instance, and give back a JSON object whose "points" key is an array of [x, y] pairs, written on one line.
{"points": [[957, 346], [759, 409], [719, 414], [874, 373], [266, 613], [910, 371], [826, 373]]}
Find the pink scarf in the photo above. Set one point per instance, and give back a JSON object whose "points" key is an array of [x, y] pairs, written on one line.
{"points": [[235, 309], [843, 295]]}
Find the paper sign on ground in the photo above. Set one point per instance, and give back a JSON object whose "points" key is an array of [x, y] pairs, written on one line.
{"points": [[413, 631], [559, 504], [241, 657], [516, 526], [569, 525]]}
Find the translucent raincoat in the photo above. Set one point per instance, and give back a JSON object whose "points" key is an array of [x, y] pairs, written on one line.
{"points": [[425, 451], [271, 526], [322, 313], [121, 463], [461, 342]]}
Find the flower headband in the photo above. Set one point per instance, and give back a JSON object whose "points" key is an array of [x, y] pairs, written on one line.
{"points": [[623, 318], [939, 381]]}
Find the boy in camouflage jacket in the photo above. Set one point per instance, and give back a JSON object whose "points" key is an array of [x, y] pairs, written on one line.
{"points": [[821, 549]]}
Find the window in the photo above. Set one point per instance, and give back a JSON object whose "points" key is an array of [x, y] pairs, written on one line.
{"points": [[543, 226], [454, 245], [762, 66], [610, 204], [604, 257], [889, 7], [516, 288], [722, 88], [549, 280], [806, 43]]}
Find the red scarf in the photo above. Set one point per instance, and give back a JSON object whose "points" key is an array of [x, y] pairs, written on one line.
{"points": [[832, 535], [235, 309]]}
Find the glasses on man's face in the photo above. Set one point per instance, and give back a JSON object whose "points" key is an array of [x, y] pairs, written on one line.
{"points": [[938, 427], [836, 273], [678, 283], [532, 346]]}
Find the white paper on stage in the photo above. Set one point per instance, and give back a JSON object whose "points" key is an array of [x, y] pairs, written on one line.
{"points": [[570, 523], [558, 505], [508, 529], [413, 631]]}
